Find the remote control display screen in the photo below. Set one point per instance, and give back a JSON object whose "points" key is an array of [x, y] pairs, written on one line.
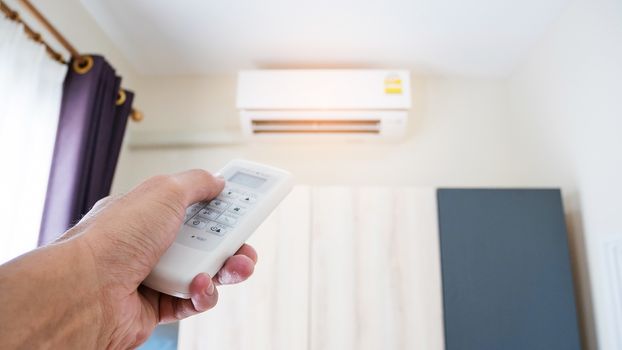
{"points": [[247, 180]]}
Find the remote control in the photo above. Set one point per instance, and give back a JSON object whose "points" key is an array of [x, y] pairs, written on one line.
{"points": [[214, 230]]}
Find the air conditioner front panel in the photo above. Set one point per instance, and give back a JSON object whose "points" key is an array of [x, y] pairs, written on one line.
{"points": [[331, 89]]}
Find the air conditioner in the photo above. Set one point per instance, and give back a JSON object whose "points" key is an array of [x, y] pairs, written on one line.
{"points": [[342, 104]]}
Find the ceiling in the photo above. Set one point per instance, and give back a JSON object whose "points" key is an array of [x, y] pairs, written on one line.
{"points": [[483, 38]]}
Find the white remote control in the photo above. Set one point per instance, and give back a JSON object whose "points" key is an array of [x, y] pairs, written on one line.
{"points": [[215, 230]]}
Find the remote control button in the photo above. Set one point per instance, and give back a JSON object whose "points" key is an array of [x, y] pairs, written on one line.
{"points": [[229, 194], [218, 204], [227, 219], [193, 209], [217, 229], [248, 198], [202, 204], [208, 213], [237, 209], [197, 222]]}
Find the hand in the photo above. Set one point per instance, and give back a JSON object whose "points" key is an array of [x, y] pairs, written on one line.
{"points": [[116, 245]]}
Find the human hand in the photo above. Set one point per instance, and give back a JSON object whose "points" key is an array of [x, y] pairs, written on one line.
{"points": [[119, 242]]}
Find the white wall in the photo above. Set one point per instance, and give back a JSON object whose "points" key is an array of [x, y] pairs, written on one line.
{"points": [[567, 103]]}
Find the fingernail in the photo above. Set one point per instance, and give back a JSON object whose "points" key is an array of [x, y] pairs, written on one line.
{"points": [[209, 291], [220, 178]]}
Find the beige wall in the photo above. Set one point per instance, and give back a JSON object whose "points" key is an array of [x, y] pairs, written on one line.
{"points": [[459, 132], [566, 99], [459, 136]]}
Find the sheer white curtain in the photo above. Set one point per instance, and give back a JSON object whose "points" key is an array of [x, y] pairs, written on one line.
{"points": [[31, 86]]}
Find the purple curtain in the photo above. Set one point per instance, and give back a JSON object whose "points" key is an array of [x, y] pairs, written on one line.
{"points": [[88, 141]]}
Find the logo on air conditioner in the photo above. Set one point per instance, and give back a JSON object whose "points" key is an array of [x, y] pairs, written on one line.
{"points": [[392, 84]]}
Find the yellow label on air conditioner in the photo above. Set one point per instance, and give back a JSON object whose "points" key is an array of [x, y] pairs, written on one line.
{"points": [[392, 84]]}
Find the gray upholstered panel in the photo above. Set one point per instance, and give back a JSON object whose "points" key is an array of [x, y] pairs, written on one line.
{"points": [[507, 281]]}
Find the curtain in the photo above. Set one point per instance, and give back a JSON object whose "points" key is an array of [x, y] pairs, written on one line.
{"points": [[30, 94], [90, 132]]}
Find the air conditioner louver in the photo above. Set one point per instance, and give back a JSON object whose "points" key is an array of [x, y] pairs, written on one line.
{"points": [[311, 126]]}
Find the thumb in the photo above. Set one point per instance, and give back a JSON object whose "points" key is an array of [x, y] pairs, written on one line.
{"points": [[137, 228]]}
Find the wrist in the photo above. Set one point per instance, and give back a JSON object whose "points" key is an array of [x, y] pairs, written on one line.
{"points": [[49, 295]]}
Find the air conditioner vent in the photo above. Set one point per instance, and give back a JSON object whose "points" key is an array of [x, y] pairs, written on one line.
{"points": [[315, 126]]}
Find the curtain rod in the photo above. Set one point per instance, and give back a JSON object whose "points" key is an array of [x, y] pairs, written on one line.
{"points": [[50, 28], [81, 63], [32, 34]]}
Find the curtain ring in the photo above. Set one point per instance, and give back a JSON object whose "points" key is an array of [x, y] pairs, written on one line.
{"points": [[121, 97], [136, 115], [83, 65]]}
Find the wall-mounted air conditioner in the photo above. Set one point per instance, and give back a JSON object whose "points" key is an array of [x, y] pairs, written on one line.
{"points": [[343, 104]]}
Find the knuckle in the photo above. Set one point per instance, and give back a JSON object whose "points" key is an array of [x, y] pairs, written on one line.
{"points": [[167, 185], [207, 302], [172, 187], [212, 301]]}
